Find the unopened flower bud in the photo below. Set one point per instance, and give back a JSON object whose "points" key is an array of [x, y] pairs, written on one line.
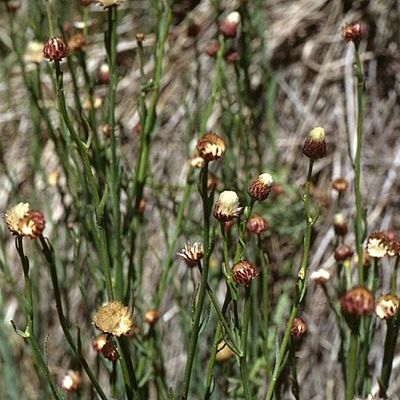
{"points": [[343, 253], [353, 32], [192, 254], [357, 302], [299, 327], [243, 273], [103, 345], [211, 147], [224, 353], [212, 49], [340, 225], [71, 381], [76, 42], [320, 276], [257, 224], [340, 185], [260, 187], [55, 49], [377, 245], [151, 317], [386, 306], [104, 74], [227, 206], [314, 146], [228, 26]]}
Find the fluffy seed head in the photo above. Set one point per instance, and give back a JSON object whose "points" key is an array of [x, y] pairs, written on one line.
{"points": [[109, 3], [243, 273], [192, 254], [260, 187], [357, 302], [55, 49], [299, 327], [151, 317], [387, 306], [224, 353], [352, 32], [320, 276], [257, 224], [314, 146], [211, 147], [114, 318], [71, 381], [377, 245], [227, 206]]}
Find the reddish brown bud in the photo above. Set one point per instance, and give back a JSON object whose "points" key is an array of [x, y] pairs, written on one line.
{"points": [[340, 185], [314, 146], [151, 317], [257, 224], [340, 225], [343, 253], [228, 26], [353, 32], [357, 302], [243, 273], [393, 248], [299, 327], [104, 74], [55, 49], [212, 49], [260, 187]]}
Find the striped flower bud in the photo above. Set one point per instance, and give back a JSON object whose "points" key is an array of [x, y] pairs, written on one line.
{"points": [[257, 224], [243, 273], [314, 146], [55, 49], [260, 187]]}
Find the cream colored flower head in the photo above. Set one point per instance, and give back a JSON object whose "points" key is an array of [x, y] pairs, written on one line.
{"points": [[377, 245], [260, 187], [320, 276], [227, 206], [386, 306], [114, 318], [192, 254], [109, 3], [34, 52], [210, 147]]}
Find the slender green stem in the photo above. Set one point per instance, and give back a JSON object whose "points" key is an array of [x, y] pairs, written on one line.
{"points": [[211, 361], [265, 302], [351, 374], [293, 368]]}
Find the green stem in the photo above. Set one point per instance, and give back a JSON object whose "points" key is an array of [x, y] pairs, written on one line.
{"points": [[351, 374]]}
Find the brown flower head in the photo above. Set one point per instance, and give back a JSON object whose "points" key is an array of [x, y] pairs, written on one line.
{"points": [[151, 317], [71, 381], [227, 206], [114, 318], [243, 273], [55, 49], [109, 3], [343, 253], [340, 185], [353, 32], [357, 302], [22, 221], [386, 306], [211, 147], [76, 42], [320, 276], [260, 187], [192, 254], [228, 26], [340, 225], [377, 244], [393, 248], [299, 327], [212, 49], [224, 353], [257, 224], [314, 146]]}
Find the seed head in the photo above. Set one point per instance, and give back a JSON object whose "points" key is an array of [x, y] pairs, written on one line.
{"points": [[343, 253], [340, 185], [22, 221], [299, 327], [260, 187], [353, 32], [314, 146], [320, 276], [377, 244], [357, 302], [109, 3], [211, 147], [387, 306], [192, 254], [243, 273], [71, 381], [151, 317], [340, 225], [55, 49], [114, 318], [257, 224], [224, 353], [227, 206], [228, 26]]}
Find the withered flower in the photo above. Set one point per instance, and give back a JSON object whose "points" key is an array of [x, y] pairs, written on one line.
{"points": [[377, 245], [387, 306], [393, 248], [320, 276], [192, 254], [358, 302], [299, 327], [211, 147], [227, 206], [151, 317], [340, 185]]}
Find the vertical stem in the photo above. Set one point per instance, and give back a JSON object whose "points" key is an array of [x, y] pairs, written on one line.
{"points": [[352, 362], [265, 303]]}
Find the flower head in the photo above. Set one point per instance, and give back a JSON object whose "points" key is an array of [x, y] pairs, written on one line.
{"points": [[299, 327], [151, 317], [55, 49], [257, 224], [314, 146], [320, 276], [109, 3], [243, 273], [357, 302], [228, 26], [343, 253], [227, 206], [103, 345], [393, 248], [377, 244], [211, 147], [192, 254], [352, 32], [260, 187], [340, 225], [340, 185], [71, 381], [387, 306], [114, 318], [22, 221]]}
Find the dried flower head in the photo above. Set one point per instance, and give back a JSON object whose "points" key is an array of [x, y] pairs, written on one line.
{"points": [[257, 224], [22, 221], [224, 352], [151, 317], [71, 381], [227, 206], [353, 32], [109, 3], [76, 42], [211, 147], [228, 26], [358, 302], [299, 327], [343, 253], [386, 306], [340, 185], [393, 248], [340, 225], [243, 272], [377, 245], [114, 318], [34, 52], [320, 276], [314, 146], [55, 49], [260, 187], [192, 254]]}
